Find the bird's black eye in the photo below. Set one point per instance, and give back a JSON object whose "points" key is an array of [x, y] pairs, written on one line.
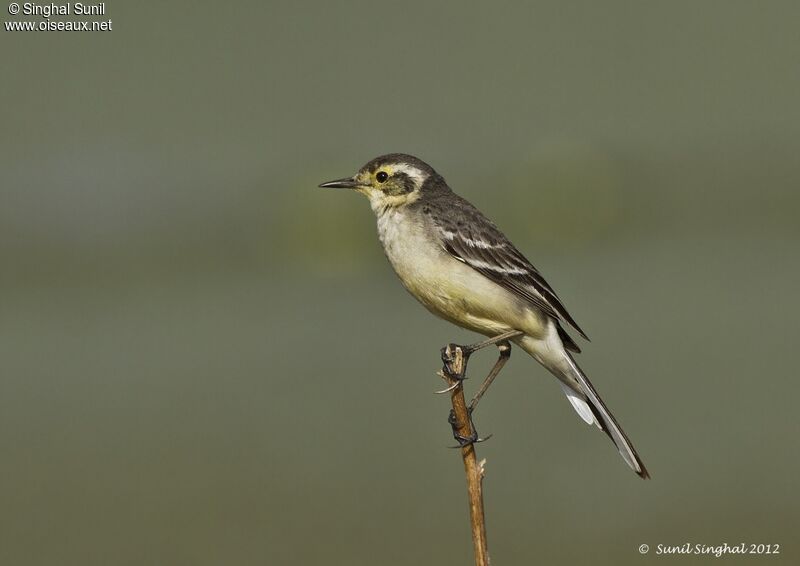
{"points": [[382, 176]]}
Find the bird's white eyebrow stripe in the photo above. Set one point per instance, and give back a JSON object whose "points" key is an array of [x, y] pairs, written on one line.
{"points": [[418, 176]]}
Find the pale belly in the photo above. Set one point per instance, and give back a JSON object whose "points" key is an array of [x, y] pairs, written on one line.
{"points": [[449, 288]]}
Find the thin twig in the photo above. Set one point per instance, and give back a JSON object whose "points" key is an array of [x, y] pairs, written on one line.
{"points": [[455, 365]]}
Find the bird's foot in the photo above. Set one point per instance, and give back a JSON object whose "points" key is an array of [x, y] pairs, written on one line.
{"points": [[448, 359], [452, 376], [462, 440]]}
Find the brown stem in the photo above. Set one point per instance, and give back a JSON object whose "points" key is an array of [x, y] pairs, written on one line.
{"points": [[453, 372]]}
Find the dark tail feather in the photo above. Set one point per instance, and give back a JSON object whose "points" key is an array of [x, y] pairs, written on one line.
{"points": [[608, 423], [567, 340]]}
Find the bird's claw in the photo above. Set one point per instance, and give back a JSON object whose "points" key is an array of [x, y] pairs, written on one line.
{"points": [[448, 389], [447, 374], [468, 440], [461, 439]]}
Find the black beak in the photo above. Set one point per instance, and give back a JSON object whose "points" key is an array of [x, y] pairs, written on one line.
{"points": [[346, 183]]}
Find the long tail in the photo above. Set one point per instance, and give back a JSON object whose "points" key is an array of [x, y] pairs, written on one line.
{"points": [[606, 420], [582, 395]]}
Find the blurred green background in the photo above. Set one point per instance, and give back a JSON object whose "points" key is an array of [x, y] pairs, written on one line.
{"points": [[206, 359]]}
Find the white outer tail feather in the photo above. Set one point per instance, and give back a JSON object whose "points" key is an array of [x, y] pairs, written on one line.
{"points": [[580, 405], [550, 352], [624, 446]]}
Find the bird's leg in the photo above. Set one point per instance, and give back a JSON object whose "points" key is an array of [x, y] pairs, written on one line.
{"points": [[458, 376], [505, 354], [496, 340], [456, 379]]}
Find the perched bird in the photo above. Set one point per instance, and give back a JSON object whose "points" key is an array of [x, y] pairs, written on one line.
{"points": [[461, 267]]}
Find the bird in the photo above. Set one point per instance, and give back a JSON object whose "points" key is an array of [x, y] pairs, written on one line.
{"points": [[462, 268]]}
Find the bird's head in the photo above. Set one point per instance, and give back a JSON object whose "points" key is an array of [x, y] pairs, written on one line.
{"points": [[392, 180]]}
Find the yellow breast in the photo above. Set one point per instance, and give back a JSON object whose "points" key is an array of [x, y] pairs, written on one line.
{"points": [[445, 285]]}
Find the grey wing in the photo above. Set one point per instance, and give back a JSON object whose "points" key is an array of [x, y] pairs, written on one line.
{"points": [[482, 246]]}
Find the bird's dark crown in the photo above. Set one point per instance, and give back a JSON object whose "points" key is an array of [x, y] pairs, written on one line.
{"points": [[397, 158]]}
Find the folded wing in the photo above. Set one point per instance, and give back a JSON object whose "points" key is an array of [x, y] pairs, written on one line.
{"points": [[490, 253]]}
